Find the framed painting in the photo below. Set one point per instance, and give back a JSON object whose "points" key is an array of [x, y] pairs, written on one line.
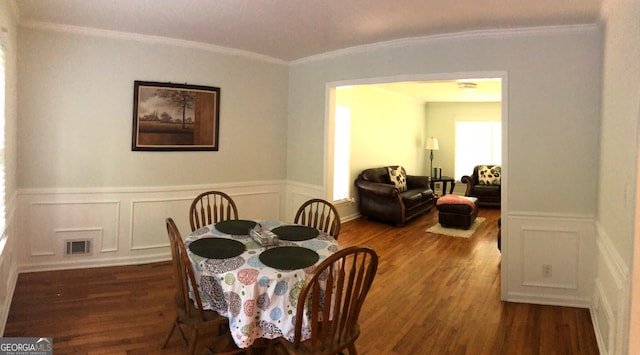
{"points": [[173, 117]]}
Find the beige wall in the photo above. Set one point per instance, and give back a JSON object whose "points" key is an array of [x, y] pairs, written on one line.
{"points": [[386, 129]]}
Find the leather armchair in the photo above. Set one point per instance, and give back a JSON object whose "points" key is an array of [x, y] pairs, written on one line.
{"points": [[379, 198], [488, 194]]}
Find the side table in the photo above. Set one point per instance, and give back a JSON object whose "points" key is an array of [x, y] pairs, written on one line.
{"points": [[444, 180]]}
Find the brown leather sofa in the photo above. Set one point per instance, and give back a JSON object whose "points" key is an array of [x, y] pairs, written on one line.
{"points": [[488, 194], [379, 199]]}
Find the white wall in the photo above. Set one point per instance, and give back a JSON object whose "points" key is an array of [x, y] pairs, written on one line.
{"points": [[77, 175], [553, 80], [76, 102], [618, 183]]}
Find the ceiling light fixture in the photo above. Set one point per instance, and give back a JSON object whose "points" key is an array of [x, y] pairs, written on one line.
{"points": [[466, 86]]}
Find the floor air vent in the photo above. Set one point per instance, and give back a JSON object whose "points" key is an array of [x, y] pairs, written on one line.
{"points": [[78, 247]]}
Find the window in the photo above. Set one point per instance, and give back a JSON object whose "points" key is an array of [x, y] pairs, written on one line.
{"points": [[477, 142], [342, 141]]}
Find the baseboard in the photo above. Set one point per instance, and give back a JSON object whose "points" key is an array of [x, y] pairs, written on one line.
{"points": [[137, 260], [550, 300]]}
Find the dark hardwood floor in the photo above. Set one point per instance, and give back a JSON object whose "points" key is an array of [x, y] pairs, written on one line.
{"points": [[433, 294]]}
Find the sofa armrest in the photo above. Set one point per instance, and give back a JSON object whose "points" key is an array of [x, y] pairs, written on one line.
{"points": [[469, 180], [377, 189], [415, 181]]}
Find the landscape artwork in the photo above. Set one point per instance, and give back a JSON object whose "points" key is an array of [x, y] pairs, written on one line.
{"points": [[169, 117]]}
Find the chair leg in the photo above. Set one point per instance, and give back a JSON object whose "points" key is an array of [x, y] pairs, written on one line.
{"points": [[192, 341], [182, 336], [173, 327]]}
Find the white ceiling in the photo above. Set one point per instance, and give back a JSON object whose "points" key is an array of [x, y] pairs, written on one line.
{"points": [[293, 29], [288, 30]]}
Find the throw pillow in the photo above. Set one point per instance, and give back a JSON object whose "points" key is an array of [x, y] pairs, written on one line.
{"points": [[489, 175], [398, 177]]}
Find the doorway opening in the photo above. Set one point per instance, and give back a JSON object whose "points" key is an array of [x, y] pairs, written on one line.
{"points": [[391, 119]]}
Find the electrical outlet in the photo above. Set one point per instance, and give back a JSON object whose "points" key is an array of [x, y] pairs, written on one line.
{"points": [[546, 270]]}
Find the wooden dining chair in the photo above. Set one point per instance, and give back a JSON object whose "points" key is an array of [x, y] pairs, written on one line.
{"points": [[333, 309], [211, 207], [319, 214], [190, 313]]}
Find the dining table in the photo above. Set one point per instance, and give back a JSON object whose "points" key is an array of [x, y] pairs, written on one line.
{"points": [[252, 282]]}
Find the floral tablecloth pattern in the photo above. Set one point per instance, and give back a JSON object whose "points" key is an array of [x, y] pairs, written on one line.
{"points": [[259, 301]]}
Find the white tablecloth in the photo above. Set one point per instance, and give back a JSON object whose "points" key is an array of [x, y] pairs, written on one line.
{"points": [[259, 301]]}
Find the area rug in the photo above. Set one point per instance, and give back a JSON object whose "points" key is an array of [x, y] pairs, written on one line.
{"points": [[454, 232]]}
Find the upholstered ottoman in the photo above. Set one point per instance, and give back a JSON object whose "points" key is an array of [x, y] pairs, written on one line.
{"points": [[457, 211]]}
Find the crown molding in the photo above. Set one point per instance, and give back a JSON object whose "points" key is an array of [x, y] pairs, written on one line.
{"points": [[454, 36], [47, 26], [425, 40]]}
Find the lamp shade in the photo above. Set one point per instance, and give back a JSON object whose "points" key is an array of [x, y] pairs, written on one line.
{"points": [[432, 144]]}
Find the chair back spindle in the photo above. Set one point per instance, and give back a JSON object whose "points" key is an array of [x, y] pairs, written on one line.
{"points": [[319, 214], [211, 207], [332, 298]]}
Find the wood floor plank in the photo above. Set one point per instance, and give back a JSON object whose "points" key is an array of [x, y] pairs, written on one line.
{"points": [[433, 294]]}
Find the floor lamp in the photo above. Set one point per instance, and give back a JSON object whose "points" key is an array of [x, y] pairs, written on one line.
{"points": [[432, 144]]}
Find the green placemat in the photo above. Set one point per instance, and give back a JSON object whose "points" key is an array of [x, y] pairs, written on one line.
{"points": [[216, 248], [289, 258], [235, 226], [295, 233]]}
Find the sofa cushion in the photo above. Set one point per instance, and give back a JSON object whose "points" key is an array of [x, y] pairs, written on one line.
{"points": [[486, 190], [489, 175], [398, 177], [452, 199], [412, 198]]}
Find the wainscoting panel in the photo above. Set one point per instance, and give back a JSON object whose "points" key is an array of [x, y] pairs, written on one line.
{"points": [[560, 262], [148, 221], [610, 308], [297, 195], [48, 217], [551, 259], [259, 205], [124, 226]]}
